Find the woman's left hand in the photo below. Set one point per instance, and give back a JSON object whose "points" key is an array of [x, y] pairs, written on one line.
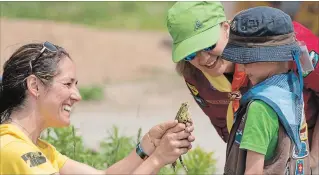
{"points": [[152, 139]]}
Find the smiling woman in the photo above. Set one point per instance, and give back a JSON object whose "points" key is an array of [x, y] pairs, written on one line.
{"points": [[37, 71], [38, 91]]}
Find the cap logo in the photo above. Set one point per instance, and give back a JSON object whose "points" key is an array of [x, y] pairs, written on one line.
{"points": [[198, 25]]}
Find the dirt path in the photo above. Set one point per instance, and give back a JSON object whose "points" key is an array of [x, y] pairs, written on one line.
{"points": [[101, 56]]}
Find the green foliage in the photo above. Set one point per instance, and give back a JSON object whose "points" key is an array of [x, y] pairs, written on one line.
{"points": [[200, 161], [91, 93], [116, 147], [123, 14], [197, 161], [68, 143]]}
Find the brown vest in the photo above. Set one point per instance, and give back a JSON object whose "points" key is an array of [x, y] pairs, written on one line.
{"points": [[283, 162], [213, 102]]}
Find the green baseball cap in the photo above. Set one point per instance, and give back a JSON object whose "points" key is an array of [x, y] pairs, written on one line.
{"points": [[194, 26]]}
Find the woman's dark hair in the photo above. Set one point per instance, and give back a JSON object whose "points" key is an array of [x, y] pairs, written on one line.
{"points": [[25, 61]]}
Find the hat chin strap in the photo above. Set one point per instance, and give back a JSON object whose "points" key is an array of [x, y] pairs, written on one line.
{"points": [[295, 55]]}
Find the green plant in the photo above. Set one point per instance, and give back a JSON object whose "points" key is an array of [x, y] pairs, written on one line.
{"points": [[91, 93], [68, 143], [116, 147], [199, 161]]}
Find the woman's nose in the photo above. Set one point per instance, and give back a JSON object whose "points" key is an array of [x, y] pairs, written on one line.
{"points": [[76, 96]]}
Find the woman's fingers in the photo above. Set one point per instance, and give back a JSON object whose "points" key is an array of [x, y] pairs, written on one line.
{"points": [[181, 151], [179, 127], [191, 138], [183, 144], [182, 135], [189, 128]]}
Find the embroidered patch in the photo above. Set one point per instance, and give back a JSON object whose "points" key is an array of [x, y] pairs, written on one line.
{"points": [[196, 96], [192, 88], [239, 135], [200, 101], [300, 167], [34, 158], [302, 153], [315, 58], [304, 133], [218, 102]]}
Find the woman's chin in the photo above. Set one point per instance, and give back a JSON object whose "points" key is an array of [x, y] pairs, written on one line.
{"points": [[62, 122]]}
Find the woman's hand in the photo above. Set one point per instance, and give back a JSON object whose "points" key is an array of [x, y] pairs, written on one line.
{"points": [[152, 139], [175, 142]]}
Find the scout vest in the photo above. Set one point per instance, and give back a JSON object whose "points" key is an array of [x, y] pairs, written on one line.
{"points": [[213, 102], [282, 93]]}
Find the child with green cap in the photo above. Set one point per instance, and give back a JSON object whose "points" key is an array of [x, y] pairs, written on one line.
{"points": [[200, 32]]}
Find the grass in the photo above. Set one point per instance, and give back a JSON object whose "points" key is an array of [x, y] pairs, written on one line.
{"points": [[119, 15]]}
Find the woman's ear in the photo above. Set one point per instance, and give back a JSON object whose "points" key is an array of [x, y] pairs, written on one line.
{"points": [[33, 85]]}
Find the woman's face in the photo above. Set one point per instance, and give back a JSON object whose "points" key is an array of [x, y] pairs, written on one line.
{"points": [[210, 61], [57, 99]]}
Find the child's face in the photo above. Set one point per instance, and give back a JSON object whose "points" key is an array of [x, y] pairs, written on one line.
{"points": [[258, 72]]}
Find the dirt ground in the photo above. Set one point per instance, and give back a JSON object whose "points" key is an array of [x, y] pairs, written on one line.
{"points": [[100, 56]]}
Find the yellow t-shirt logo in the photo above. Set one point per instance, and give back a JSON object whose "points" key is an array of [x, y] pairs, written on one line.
{"points": [[34, 158]]}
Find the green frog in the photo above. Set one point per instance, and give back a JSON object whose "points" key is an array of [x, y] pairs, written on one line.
{"points": [[183, 116]]}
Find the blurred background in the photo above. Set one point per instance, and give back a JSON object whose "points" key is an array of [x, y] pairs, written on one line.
{"points": [[126, 77]]}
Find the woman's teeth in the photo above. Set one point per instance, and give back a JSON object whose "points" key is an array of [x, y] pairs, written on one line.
{"points": [[210, 64], [67, 108]]}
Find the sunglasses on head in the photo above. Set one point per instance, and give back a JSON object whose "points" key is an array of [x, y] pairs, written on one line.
{"points": [[191, 56], [46, 46]]}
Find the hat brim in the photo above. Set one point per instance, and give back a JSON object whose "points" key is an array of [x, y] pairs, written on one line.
{"points": [[195, 43], [246, 55]]}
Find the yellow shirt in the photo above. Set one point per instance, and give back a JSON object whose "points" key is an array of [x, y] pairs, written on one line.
{"points": [[223, 85], [19, 155]]}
